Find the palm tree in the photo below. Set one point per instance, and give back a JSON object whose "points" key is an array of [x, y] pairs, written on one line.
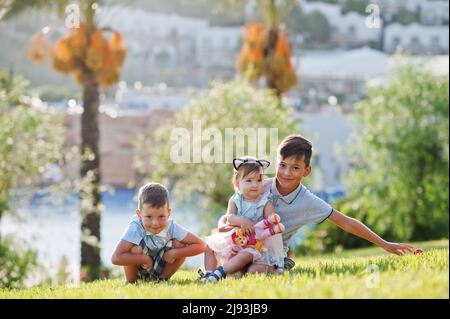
{"points": [[266, 51], [94, 61]]}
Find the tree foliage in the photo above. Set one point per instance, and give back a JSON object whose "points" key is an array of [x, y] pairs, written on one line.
{"points": [[17, 263], [399, 185], [30, 138], [358, 6]]}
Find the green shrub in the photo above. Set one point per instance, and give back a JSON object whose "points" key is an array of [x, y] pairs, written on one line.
{"points": [[16, 263], [399, 181]]}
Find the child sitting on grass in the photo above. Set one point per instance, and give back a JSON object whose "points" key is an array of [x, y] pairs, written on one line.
{"points": [[154, 246], [248, 208]]}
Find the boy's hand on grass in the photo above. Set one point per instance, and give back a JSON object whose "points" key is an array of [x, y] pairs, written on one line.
{"points": [[398, 249]]}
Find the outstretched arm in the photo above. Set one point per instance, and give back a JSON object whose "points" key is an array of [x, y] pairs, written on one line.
{"points": [[355, 227]]}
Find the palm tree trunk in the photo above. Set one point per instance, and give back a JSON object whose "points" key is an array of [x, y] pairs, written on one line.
{"points": [[1, 213], [90, 197], [272, 39]]}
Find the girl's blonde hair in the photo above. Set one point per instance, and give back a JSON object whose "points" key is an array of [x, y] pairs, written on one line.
{"points": [[246, 169]]}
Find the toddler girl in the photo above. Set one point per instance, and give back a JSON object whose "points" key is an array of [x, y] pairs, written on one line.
{"points": [[252, 213]]}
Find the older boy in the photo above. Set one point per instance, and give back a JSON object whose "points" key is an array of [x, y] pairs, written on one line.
{"points": [[153, 247], [297, 206]]}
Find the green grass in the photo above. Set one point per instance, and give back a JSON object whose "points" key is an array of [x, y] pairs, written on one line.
{"points": [[329, 276]]}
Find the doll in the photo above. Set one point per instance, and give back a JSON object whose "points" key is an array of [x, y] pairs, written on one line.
{"points": [[263, 229]]}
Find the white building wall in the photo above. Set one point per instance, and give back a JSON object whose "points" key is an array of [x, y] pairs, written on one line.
{"points": [[416, 39], [353, 26], [217, 47], [434, 12]]}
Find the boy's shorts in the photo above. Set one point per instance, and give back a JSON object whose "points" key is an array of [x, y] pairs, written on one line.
{"points": [[155, 272]]}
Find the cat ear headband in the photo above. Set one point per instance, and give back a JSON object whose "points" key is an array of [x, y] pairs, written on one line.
{"points": [[237, 162]]}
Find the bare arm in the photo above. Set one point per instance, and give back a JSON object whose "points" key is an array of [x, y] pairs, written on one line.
{"points": [[122, 255], [235, 220], [268, 209], [193, 246], [355, 227], [224, 224], [231, 214]]}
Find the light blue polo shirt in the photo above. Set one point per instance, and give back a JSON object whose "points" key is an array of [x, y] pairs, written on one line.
{"points": [[135, 232], [297, 209]]}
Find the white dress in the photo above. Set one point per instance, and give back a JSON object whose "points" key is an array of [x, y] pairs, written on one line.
{"points": [[220, 242]]}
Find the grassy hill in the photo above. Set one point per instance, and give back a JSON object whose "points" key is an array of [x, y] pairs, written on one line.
{"points": [[367, 273]]}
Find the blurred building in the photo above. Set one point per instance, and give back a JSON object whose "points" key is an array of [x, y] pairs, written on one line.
{"points": [[352, 30], [158, 38], [217, 47], [134, 100], [349, 30], [429, 12], [416, 39], [434, 12], [338, 72], [391, 8], [180, 51]]}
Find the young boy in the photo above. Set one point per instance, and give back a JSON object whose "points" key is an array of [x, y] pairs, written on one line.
{"points": [[297, 206], [153, 247]]}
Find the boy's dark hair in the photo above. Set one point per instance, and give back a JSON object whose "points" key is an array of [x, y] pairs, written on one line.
{"points": [[296, 146], [154, 194]]}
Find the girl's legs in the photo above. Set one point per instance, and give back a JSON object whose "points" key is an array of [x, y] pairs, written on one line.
{"points": [[239, 273], [260, 269], [234, 265], [237, 262], [210, 259]]}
